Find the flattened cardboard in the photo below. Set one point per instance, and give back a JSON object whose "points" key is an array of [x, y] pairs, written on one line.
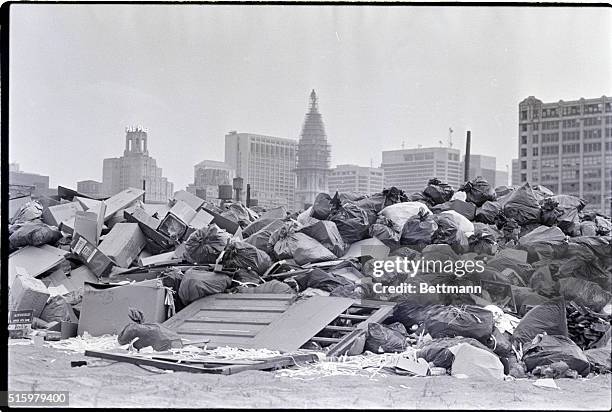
{"points": [[35, 261], [121, 200], [123, 243], [73, 281], [105, 308], [86, 224], [192, 200], [161, 258]]}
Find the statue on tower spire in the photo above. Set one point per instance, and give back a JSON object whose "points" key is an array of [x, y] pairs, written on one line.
{"points": [[314, 104]]}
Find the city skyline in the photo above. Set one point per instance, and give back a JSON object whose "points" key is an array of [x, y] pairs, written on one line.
{"points": [[385, 76]]}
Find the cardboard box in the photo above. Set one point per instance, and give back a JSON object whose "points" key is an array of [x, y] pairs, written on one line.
{"points": [[149, 226], [183, 211], [200, 220], [15, 204], [123, 243], [121, 200], [33, 260], [72, 281], [28, 293], [90, 205], [88, 253], [161, 258], [54, 215], [192, 200], [105, 308], [86, 224]]}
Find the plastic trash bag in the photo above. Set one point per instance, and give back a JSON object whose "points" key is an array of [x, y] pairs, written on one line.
{"points": [[319, 279], [384, 231], [372, 205], [257, 225], [463, 223], [305, 218], [261, 238], [547, 318], [548, 349], [467, 321], [155, 335], [483, 243], [287, 243], [27, 212], [394, 195], [550, 211], [588, 229], [488, 212], [438, 191], [327, 234], [205, 244], [381, 339], [476, 363], [399, 213], [438, 351], [272, 286], [239, 254], [33, 234], [418, 230], [522, 206], [322, 207], [199, 283], [449, 232], [478, 191], [352, 222], [584, 293]]}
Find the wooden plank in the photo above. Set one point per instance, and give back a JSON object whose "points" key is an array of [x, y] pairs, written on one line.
{"points": [[301, 322], [354, 317], [323, 339], [340, 328], [161, 364]]}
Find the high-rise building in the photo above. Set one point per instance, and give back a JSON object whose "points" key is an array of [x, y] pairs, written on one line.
{"points": [[411, 169], [313, 157], [516, 173], [134, 167], [353, 178], [208, 175], [567, 147], [486, 167], [267, 163], [90, 187]]}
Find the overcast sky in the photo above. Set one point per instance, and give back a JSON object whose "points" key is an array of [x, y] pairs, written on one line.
{"points": [[79, 74]]}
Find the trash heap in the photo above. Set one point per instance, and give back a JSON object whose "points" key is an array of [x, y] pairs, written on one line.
{"points": [[123, 267]]}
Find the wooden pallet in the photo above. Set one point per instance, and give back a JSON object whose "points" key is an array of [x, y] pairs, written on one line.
{"points": [[204, 365], [340, 334]]}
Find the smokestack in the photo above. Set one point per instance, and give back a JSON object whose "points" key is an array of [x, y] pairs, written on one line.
{"points": [[248, 195], [466, 171], [144, 187]]}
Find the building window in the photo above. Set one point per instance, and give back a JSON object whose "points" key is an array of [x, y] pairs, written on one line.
{"points": [[535, 151], [523, 128], [523, 152], [535, 126], [523, 164], [523, 177], [550, 150], [534, 139], [524, 115], [534, 164], [523, 139], [571, 148]]}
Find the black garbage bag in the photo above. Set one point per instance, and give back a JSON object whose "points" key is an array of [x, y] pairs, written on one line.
{"points": [[420, 197], [410, 313], [488, 212], [438, 191], [33, 234], [322, 207], [240, 254], [500, 262], [586, 269], [272, 286], [381, 339], [155, 335], [478, 191], [341, 197], [172, 279], [206, 244], [588, 229], [246, 277], [501, 343], [604, 226], [261, 238], [287, 243], [600, 245], [548, 349], [384, 230], [199, 283], [547, 318], [600, 358], [483, 243], [57, 309], [372, 205], [326, 233], [541, 281], [466, 209], [418, 230], [394, 195], [352, 222], [467, 321], [318, 279], [238, 213], [550, 211], [406, 252], [438, 351], [449, 232], [584, 293], [522, 206], [525, 297]]}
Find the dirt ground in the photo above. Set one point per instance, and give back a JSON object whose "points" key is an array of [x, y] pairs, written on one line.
{"points": [[124, 385]]}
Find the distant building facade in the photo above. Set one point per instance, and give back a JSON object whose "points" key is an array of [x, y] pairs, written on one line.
{"points": [[37, 185], [208, 175], [516, 173], [134, 167], [485, 166], [353, 178], [567, 147], [90, 187], [267, 163], [411, 169], [313, 157]]}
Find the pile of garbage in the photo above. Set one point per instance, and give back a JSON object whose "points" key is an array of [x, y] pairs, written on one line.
{"points": [[543, 308]]}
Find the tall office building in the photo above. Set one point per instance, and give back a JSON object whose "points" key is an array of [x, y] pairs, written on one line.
{"points": [[516, 173], [267, 163], [134, 167], [567, 147], [485, 166], [411, 169], [313, 157], [353, 178], [208, 175]]}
